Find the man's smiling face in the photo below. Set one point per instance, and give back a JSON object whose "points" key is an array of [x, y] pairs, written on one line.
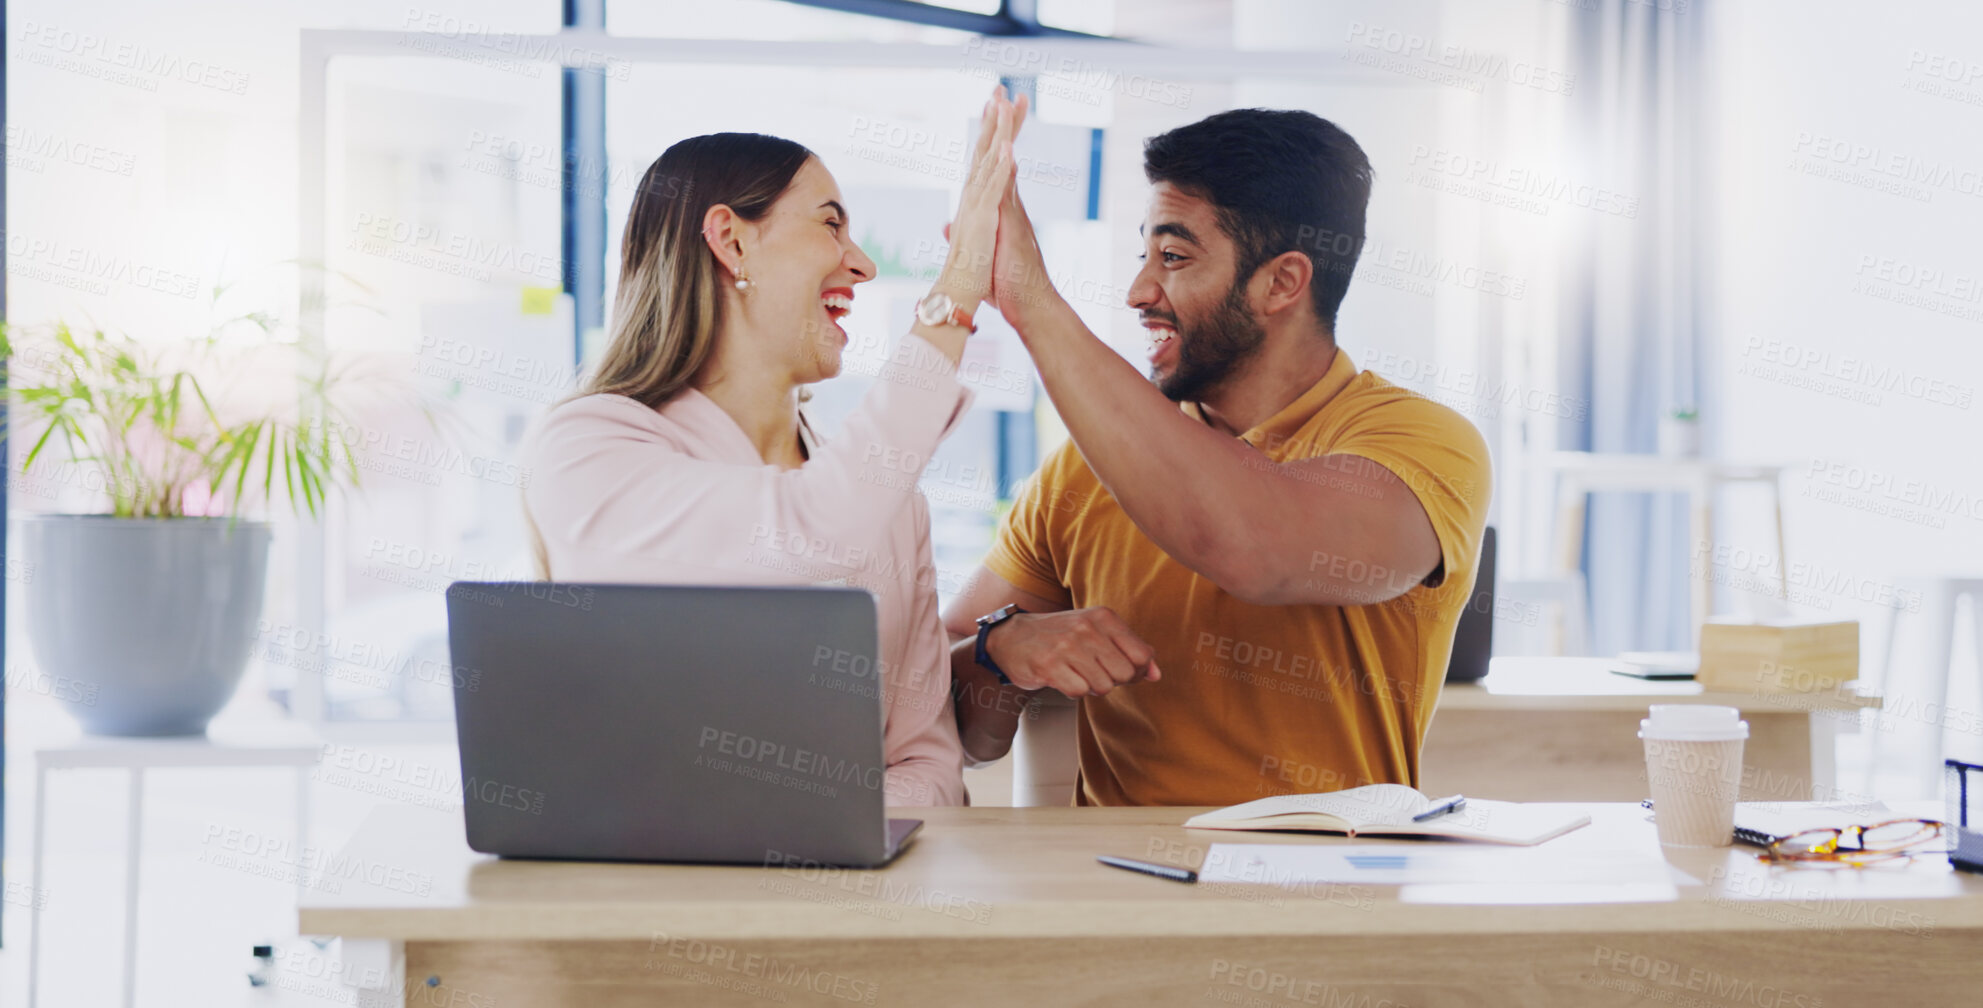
{"points": [[1191, 301]]}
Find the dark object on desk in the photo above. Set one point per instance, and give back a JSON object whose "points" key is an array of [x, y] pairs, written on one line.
{"points": [[1652, 674], [1967, 855], [1963, 789], [1964, 792], [671, 723], [1660, 666], [1441, 807], [1146, 868], [1473, 638]]}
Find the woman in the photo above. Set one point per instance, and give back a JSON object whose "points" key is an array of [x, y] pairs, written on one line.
{"points": [[686, 459]]}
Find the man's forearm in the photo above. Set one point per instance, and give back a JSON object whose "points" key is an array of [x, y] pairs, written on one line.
{"points": [[1184, 484], [988, 711]]}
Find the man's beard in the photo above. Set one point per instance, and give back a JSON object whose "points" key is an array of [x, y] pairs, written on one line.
{"points": [[1212, 350]]}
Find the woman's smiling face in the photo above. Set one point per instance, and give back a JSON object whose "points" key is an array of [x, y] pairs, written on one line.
{"points": [[803, 271]]}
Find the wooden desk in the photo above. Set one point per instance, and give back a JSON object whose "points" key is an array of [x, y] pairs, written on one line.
{"points": [[1566, 729], [999, 906]]}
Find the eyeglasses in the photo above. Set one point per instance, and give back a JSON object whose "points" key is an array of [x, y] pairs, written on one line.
{"points": [[1858, 845]]}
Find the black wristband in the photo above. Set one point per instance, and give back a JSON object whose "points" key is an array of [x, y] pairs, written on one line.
{"points": [[985, 625]]}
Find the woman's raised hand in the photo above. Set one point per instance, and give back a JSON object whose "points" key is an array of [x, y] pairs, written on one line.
{"points": [[967, 273]]}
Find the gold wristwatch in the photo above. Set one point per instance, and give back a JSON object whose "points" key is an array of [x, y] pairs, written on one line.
{"points": [[937, 309]]}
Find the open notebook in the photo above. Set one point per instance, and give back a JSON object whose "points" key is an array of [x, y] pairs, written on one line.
{"points": [[1387, 810]]}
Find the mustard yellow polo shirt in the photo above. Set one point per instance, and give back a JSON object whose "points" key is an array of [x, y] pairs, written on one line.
{"points": [[1259, 700]]}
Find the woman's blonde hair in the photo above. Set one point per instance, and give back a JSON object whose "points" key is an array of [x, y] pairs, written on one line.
{"points": [[669, 307]]}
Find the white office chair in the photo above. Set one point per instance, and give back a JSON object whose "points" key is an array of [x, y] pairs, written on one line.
{"points": [[1044, 761], [1917, 693]]}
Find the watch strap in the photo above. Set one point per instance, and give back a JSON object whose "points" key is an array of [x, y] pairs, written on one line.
{"points": [[985, 625], [954, 316]]}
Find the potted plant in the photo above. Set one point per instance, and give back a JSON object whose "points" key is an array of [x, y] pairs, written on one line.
{"points": [[152, 604]]}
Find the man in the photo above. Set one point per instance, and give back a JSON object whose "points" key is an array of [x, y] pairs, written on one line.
{"points": [[1253, 561]]}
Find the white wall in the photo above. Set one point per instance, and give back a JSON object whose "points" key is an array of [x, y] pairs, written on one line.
{"points": [[1801, 259], [1850, 183]]}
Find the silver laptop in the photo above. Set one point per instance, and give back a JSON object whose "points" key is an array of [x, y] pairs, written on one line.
{"points": [[671, 723]]}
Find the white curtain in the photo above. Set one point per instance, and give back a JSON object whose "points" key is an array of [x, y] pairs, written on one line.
{"points": [[1633, 305]]}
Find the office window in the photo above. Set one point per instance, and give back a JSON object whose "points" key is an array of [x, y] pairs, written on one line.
{"points": [[443, 202]]}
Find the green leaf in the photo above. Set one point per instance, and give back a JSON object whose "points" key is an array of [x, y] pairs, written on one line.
{"points": [[150, 419], [288, 474], [242, 455], [39, 443]]}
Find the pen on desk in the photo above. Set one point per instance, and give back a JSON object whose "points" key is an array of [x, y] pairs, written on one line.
{"points": [[1145, 867], [1441, 807]]}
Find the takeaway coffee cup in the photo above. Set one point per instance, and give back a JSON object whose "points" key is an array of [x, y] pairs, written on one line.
{"points": [[1694, 766]]}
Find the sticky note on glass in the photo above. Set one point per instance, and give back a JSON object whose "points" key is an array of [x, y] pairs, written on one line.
{"points": [[540, 300]]}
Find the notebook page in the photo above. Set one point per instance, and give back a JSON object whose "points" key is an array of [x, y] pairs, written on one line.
{"points": [[1370, 805]]}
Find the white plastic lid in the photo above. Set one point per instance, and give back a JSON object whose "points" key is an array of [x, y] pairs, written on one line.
{"points": [[1694, 723]]}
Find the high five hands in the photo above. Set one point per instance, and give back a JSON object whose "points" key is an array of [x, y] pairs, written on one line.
{"points": [[967, 270], [1080, 652], [1020, 288]]}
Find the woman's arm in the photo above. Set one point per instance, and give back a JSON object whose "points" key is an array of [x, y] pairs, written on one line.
{"points": [[925, 762], [602, 476]]}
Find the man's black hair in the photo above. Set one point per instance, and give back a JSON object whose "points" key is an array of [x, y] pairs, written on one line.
{"points": [[1280, 181]]}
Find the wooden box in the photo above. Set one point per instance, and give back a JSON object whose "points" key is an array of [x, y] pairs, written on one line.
{"points": [[1779, 657]]}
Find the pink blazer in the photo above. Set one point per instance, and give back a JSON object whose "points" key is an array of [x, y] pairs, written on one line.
{"points": [[679, 495]]}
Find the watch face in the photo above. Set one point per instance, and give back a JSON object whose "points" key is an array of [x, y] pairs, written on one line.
{"points": [[933, 308]]}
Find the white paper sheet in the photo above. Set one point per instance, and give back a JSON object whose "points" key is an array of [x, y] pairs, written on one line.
{"points": [[1295, 865]]}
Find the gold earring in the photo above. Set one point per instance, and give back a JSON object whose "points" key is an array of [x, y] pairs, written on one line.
{"points": [[743, 282]]}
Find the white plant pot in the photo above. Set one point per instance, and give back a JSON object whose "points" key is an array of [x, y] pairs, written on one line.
{"points": [[1679, 438], [151, 618]]}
